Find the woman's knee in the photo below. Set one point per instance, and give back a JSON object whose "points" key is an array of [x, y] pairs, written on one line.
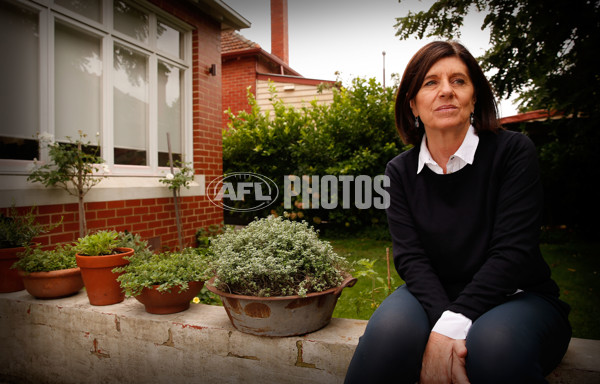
{"points": [[399, 319], [393, 343], [520, 341]]}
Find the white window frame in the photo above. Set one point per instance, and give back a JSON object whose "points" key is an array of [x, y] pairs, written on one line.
{"points": [[48, 15]]}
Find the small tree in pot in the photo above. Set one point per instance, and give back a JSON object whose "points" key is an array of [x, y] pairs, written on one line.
{"points": [[75, 167]]}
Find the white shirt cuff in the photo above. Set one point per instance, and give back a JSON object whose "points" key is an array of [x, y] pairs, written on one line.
{"points": [[453, 325]]}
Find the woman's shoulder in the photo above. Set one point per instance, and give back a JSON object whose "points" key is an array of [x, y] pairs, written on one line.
{"points": [[405, 160], [508, 140]]}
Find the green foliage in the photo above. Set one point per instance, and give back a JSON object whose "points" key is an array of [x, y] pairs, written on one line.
{"points": [[354, 135], [17, 230], [38, 260], [74, 166], [275, 257], [539, 49], [134, 241], [204, 235], [98, 244], [365, 268], [181, 178], [167, 270]]}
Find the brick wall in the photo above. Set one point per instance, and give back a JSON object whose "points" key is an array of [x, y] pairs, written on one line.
{"points": [[155, 217], [238, 75], [149, 218]]}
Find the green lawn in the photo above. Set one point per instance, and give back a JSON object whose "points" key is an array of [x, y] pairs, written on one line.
{"points": [[575, 267]]}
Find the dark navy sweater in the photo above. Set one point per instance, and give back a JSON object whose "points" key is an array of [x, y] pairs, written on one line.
{"points": [[466, 241]]}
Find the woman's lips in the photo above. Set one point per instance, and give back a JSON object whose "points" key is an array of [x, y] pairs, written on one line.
{"points": [[443, 108]]}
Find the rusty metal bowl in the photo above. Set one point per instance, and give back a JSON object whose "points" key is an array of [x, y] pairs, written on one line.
{"points": [[281, 315]]}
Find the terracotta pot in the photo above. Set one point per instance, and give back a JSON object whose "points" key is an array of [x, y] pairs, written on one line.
{"points": [[161, 303], [100, 282], [53, 284], [10, 281], [281, 315]]}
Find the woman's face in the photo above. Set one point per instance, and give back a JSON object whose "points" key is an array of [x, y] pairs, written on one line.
{"points": [[446, 98]]}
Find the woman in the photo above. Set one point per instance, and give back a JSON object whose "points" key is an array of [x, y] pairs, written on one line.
{"points": [[478, 305]]}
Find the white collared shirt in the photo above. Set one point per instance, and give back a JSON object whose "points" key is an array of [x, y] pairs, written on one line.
{"points": [[463, 156], [451, 324]]}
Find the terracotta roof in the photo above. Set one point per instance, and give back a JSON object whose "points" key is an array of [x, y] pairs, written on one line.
{"points": [[538, 115], [231, 41]]}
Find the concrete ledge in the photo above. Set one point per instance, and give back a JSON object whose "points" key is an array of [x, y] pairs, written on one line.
{"points": [[69, 341]]}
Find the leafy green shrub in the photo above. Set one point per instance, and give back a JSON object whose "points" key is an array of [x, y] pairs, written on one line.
{"points": [[275, 257], [354, 135], [204, 235], [134, 241], [167, 270], [17, 230], [39, 260], [98, 244]]}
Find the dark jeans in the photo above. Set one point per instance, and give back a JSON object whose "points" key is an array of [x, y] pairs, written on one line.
{"points": [[520, 341]]}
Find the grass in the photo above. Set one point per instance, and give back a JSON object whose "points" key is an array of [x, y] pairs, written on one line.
{"points": [[575, 268]]}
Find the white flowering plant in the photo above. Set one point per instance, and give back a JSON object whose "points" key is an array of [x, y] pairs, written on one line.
{"points": [[182, 177], [75, 166], [275, 257]]}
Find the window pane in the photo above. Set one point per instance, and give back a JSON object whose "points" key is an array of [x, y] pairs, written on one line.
{"points": [[131, 21], [169, 39], [130, 106], [91, 9], [78, 82], [169, 111], [19, 93]]}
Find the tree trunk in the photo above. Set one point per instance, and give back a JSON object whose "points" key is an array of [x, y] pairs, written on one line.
{"points": [[82, 222]]}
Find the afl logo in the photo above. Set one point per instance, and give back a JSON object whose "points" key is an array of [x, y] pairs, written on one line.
{"points": [[242, 192]]}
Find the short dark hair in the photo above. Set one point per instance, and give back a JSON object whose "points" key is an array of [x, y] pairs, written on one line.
{"points": [[486, 111]]}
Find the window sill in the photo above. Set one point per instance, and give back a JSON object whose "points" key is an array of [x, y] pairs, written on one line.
{"points": [[15, 189]]}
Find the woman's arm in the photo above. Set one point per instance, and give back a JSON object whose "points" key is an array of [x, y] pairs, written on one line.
{"points": [[409, 256], [513, 253]]}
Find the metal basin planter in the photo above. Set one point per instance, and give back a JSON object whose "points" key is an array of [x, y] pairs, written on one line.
{"points": [[281, 315]]}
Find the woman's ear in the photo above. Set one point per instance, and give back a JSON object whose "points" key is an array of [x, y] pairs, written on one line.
{"points": [[413, 108]]}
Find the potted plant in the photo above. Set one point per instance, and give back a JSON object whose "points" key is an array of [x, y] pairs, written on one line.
{"points": [[16, 231], [97, 255], [166, 282], [75, 167], [50, 274], [276, 277]]}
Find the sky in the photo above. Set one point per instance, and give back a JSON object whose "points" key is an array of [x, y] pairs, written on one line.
{"points": [[349, 36]]}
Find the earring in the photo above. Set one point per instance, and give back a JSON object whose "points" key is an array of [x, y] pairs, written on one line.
{"points": [[417, 122], [472, 118]]}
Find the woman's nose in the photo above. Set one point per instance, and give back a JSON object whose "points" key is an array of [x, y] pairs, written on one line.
{"points": [[445, 88]]}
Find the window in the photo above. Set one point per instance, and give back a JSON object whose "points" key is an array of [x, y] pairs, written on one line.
{"points": [[120, 72], [131, 105], [77, 82], [19, 94]]}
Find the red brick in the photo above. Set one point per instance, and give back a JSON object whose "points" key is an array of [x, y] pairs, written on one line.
{"points": [[115, 204]]}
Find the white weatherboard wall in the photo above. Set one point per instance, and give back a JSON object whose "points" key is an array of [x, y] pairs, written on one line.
{"points": [[292, 95], [69, 341]]}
